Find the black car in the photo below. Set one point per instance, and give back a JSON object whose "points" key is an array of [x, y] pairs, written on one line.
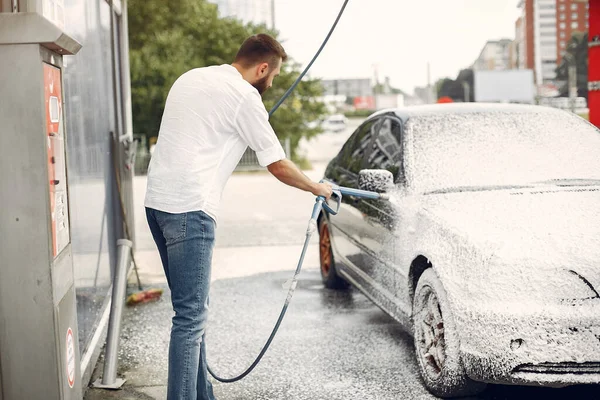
{"points": [[488, 251]]}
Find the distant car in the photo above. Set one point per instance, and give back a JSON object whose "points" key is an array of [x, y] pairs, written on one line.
{"points": [[489, 250], [335, 123]]}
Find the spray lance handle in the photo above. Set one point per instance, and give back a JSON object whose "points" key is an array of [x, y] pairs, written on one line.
{"points": [[336, 197], [339, 191]]}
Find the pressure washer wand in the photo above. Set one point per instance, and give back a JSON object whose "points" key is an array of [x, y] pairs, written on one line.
{"points": [[320, 204]]}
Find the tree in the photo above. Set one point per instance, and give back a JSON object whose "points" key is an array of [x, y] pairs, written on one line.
{"points": [[167, 38], [467, 77], [447, 87], [577, 49], [455, 89]]}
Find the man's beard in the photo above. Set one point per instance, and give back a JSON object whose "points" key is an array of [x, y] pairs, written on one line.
{"points": [[261, 85]]}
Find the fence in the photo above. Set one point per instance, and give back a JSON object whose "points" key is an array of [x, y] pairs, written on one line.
{"points": [[248, 162]]}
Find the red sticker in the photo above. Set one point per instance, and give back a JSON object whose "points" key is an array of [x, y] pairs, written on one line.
{"points": [[70, 358]]}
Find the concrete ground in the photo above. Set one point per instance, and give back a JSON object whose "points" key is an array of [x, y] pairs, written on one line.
{"points": [[332, 345]]}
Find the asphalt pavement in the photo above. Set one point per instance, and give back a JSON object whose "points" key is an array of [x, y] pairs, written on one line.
{"points": [[332, 345]]}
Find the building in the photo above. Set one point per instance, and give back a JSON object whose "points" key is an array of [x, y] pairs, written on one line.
{"points": [[347, 87], [255, 11], [542, 32], [495, 55], [545, 40], [593, 7], [519, 56], [572, 16], [422, 95], [524, 28], [358, 92], [513, 55], [63, 188]]}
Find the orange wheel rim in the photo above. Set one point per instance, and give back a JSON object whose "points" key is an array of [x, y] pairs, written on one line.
{"points": [[325, 249]]}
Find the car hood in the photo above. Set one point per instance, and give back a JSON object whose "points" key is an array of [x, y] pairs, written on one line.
{"points": [[549, 230]]}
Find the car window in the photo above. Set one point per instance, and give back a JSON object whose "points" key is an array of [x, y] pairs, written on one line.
{"points": [[386, 150], [351, 157]]}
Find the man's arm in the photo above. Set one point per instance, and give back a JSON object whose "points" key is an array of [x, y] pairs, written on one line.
{"points": [[252, 121], [288, 173]]}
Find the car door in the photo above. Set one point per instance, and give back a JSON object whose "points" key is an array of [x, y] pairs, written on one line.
{"points": [[347, 227], [379, 233]]}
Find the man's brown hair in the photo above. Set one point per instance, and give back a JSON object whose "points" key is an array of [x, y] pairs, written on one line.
{"points": [[259, 49]]}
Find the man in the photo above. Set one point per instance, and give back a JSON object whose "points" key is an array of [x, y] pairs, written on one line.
{"points": [[211, 116]]}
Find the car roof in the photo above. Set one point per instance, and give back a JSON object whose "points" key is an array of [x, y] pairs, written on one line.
{"points": [[406, 113]]}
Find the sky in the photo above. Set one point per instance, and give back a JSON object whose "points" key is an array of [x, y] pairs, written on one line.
{"points": [[396, 37]]}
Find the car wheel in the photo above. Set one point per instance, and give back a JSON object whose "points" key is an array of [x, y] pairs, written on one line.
{"points": [[328, 272], [436, 341]]}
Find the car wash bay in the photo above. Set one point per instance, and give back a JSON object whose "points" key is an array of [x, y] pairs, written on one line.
{"points": [[331, 345]]}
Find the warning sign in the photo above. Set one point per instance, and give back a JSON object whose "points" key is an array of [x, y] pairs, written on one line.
{"points": [[70, 358]]}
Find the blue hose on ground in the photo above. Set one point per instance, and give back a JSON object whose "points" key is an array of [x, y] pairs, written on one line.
{"points": [[311, 228], [312, 225], [320, 204]]}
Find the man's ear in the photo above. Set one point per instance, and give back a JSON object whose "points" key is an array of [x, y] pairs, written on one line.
{"points": [[263, 70]]}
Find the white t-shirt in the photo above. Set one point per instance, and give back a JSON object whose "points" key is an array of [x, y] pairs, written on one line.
{"points": [[211, 116]]}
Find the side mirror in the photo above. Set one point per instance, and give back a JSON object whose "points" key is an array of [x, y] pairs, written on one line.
{"points": [[375, 180]]}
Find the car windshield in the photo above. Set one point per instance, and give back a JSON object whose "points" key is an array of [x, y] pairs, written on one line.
{"points": [[502, 149]]}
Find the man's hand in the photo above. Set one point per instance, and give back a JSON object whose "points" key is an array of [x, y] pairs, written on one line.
{"points": [[322, 189]]}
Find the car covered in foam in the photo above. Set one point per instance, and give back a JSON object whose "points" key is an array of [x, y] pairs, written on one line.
{"points": [[488, 251]]}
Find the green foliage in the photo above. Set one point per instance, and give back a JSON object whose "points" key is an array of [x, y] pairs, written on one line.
{"points": [[358, 113], [455, 89], [577, 49], [292, 117], [168, 38]]}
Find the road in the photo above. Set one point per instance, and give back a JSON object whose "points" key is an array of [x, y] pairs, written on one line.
{"points": [[332, 345]]}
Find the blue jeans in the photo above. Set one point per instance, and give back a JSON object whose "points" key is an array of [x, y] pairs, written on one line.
{"points": [[185, 243]]}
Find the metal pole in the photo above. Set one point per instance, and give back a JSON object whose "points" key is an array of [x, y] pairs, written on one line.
{"points": [[376, 70], [273, 14], [109, 376], [125, 71], [572, 82], [467, 90], [429, 84]]}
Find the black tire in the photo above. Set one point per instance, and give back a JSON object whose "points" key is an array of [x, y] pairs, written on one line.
{"points": [[436, 342], [329, 275]]}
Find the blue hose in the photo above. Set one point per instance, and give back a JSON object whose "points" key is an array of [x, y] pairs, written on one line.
{"points": [[291, 89], [320, 203], [309, 232], [312, 225]]}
